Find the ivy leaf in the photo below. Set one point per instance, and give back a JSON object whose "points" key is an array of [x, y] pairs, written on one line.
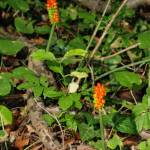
{"points": [[75, 52], [124, 124], [6, 115], [19, 4], [43, 55], [114, 142], [48, 119], [127, 79], [24, 26], [24, 73], [86, 132], [65, 102], [51, 93], [143, 39], [5, 86], [9, 47]]}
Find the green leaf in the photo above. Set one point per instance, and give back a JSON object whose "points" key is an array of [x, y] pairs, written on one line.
{"points": [[48, 119], [71, 122], [19, 4], [77, 102], [114, 142], [97, 144], [9, 47], [6, 115], [55, 67], [45, 29], [145, 145], [127, 79], [23, 72], [72, 12], [24, 26], [125, 124], [65, 102], [37, 91], [143, 39], [114, 60], [5, 86], [139, 109], [86, 132], [76, 43], [44, 81], [75, 52], [43, 55], [51, 93]]}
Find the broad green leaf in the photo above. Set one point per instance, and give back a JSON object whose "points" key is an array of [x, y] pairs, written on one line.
{"points": [[86, 132], [44, 81], [24, 26], [139, 121], [125, 124], [5, 86], [145, 145], [97, 144], [146, 124], [45, 29], [71, 122], [143, 39], [114, 60], [79, 75], [43, 55], [48, 119], [65, 102], [75, 52], [139, 109], [72, 12], [5, 115], [23, 72], [51, 93], [77, 102], [9, 47], [37, 90], [127, 79], [55, 67], [114, 142], [19, 4], [76, 43]]}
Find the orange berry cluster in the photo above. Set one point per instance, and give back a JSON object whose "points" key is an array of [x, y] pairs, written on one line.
{"points": [[99, 94], [53, 11]]}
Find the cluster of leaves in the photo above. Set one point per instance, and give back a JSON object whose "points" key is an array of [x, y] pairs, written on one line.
{"points": [[68, 48]]}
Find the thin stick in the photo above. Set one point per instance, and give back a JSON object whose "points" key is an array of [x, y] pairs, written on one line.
{"points": [[131, 92], [98, 25], [121, 68], [106, 30], [50, 37], [118, 53], [53, 116]]}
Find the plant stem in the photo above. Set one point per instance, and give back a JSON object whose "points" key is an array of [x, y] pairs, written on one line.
{"points": [[102, 129], [121, 68], [106, 31], [118, 53], [50, 37], [98, 25]]}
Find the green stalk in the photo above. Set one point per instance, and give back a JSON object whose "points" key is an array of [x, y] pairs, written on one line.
{"points": [[102, 130], [121, 68], [50, 37]]}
